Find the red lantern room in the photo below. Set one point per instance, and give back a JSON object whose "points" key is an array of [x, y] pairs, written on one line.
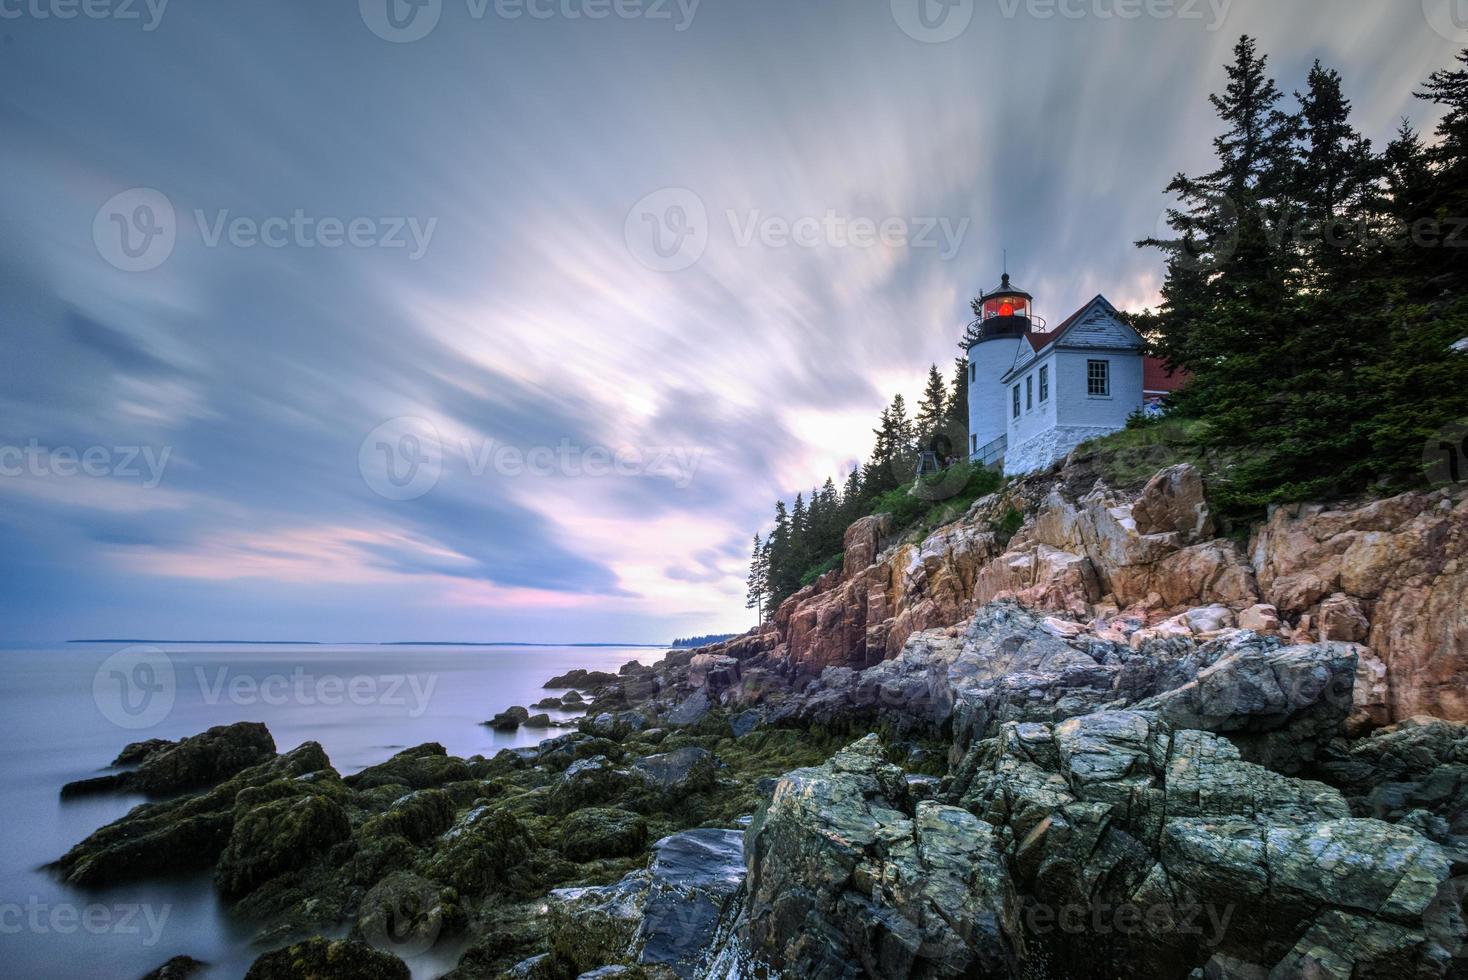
{"points": [[1007, 301]]}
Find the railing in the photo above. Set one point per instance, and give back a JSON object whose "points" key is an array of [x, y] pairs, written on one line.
{"points": [[992, 452], [1001, 326]]}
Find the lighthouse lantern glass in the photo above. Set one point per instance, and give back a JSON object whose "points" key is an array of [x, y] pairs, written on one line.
{"points": [[1004, 305]]}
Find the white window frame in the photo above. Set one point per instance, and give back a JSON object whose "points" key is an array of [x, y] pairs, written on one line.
{"points": [[1044, 383], [1029, 393], [1105, 378], [1014, 400]]}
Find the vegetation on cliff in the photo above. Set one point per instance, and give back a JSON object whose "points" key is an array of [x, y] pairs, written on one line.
{"points": [[1315, 287]]}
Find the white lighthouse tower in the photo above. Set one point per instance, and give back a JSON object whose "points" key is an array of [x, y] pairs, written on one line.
{"points": [[993, 341]]}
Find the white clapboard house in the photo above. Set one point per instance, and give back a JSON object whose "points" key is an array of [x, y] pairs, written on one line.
{"points": [[1034, 393]]}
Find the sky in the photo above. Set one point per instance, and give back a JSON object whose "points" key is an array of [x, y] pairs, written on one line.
{"points": [[510, 319]]}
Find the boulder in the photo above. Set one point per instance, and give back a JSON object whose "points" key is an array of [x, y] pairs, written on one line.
{"points": [[328, 959], [845, 871], [667, 919], [177, 968], [193, 762], [1173, 502], [188, 833], [677, 773], [421, 767], [587, 782], [1117, 811], [279, 836], [509, 719], [581, 678], [602, 832], [1391, 572], [479, 852]]}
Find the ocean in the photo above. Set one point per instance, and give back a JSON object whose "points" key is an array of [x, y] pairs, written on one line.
{"points": [[66, 711]]}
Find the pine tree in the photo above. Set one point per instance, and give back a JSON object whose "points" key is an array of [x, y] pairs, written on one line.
{"points": [[851, 497], [932, 412], [782, 576], [957, 410], [757, 585], [800, 551]]}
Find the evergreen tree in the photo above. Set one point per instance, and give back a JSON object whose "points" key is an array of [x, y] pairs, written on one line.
{"points": [[757, 585], [1313, 338], [800, 542], [851, 497], [957, 408], [931, 413]]}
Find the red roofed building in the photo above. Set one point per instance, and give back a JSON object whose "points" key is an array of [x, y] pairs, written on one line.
{"points": [[1158, 382], [1037, 393]]}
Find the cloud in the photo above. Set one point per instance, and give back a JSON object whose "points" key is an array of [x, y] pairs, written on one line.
{"points": [[529, 322]]}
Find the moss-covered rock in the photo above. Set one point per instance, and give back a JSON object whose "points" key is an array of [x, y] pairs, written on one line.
{"points": [[421, 767], [199, 760], [602, 832], [420, 816], [479, 851], [180, 835], [325, 959], [279, 836]]}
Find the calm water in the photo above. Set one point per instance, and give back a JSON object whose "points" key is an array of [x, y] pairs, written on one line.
{"points": [[65, 711]]}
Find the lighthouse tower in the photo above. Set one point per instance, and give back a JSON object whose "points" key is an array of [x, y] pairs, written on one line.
{"points": [[993, 341]]}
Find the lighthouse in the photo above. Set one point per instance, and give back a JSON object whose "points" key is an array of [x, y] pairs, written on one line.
{"points": [[993, 343]]}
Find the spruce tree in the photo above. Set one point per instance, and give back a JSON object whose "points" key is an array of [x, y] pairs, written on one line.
{"points": [[957, 407], [931, 413], [757, 585]]}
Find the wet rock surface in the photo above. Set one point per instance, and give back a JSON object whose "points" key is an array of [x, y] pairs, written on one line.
{"points": [[1110, 744]]}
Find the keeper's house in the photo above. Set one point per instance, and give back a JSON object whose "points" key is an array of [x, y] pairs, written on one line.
{"points": [[1035, 394]]}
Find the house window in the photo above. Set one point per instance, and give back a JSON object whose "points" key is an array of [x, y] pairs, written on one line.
{"points": [[973, 373], [1044, 383], [1098, 379], [1016, 401], [973, 443], [1029, 393]]}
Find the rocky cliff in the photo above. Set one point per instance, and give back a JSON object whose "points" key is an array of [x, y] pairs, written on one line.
{"points": [[1388, 574]]}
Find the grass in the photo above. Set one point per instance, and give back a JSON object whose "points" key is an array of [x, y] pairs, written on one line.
{"points": [[939, 498], [1128, 458]]}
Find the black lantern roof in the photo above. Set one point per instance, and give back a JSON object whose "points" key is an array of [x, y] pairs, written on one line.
{"points": [[1006, 289]]}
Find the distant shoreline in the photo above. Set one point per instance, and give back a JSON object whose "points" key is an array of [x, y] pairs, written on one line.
{"points": [[389, 643]]}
